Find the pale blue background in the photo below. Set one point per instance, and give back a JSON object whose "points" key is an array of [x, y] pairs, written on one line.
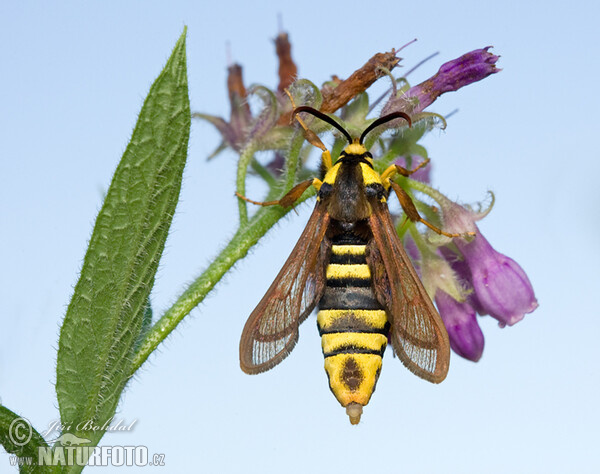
{"points": [[73, 78]]}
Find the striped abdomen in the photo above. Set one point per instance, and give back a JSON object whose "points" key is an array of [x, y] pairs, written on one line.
{"points": [[353, 325]]}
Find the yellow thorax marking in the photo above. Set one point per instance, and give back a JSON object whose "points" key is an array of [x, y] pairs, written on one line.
{"points": [[332, 174], [355, 149], [370, 176]]}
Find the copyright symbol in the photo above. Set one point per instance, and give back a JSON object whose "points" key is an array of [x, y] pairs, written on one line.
{"points": [[20, 431]]}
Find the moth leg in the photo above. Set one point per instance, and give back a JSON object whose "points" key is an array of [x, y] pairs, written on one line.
{"points": [[312, 138], [290, 198], [411, 211], [397, 169]]}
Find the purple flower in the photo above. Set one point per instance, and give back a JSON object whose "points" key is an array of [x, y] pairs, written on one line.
{"points": [[453, 75], [453, 298], [501, 287], [466, 338]]}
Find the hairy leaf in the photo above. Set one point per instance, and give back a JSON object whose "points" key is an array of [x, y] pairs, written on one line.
{"points": [[105, 316]]}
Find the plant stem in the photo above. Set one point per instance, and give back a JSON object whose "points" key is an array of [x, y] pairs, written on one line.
{"points": [[245, 159], [292, 161]]}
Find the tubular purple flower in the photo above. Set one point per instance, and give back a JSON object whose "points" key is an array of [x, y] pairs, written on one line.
{"points": [[470, 67], [453, 75], [463, 273], [501, 287], [466, 337]]}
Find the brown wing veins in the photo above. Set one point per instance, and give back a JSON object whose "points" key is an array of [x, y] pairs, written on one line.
{"points": [[418, 335], [271, 331]]}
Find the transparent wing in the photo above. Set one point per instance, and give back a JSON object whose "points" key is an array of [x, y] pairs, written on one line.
{"points": [[272, 329], [418, 335]]}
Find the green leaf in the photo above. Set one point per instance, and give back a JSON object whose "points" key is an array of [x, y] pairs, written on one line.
{"points": [[105, 316], [20, 438]]}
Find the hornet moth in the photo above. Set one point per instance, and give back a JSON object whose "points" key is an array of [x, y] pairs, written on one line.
{"points": [[350, 262]]}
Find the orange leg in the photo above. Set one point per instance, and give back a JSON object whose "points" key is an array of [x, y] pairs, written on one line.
{"points": [[397, 169], [286, 201], [411, 211]]}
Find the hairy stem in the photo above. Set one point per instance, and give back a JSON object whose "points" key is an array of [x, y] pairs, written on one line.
{"points": [[242, 170]]}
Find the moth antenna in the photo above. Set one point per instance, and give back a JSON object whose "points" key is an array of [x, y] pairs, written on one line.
{"points": [[324, 117], [382, 120]]}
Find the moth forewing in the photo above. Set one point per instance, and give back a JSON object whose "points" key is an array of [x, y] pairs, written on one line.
{"points": [[271, 331], [417, 333]]}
